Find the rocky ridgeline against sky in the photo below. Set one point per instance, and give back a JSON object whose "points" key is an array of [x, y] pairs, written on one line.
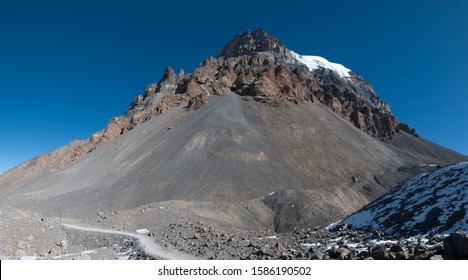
{"points": [[258, 67]]}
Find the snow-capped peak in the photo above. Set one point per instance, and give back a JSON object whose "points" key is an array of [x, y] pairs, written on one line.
{"points": [[314, 62]]}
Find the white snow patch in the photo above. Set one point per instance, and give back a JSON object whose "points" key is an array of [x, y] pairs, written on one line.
{"points": [[332, 225], [336, 239], [318, 244], [59, 257], [314, 62], [354, 245], [142, 231], [27, 258], [383, 242], [89, 252], [268, 237]]}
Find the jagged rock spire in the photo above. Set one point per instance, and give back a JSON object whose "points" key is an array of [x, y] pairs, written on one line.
{"points": [[251, 42]]}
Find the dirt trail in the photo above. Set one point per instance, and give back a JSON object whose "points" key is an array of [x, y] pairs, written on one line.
{"points": [[146, 243]]}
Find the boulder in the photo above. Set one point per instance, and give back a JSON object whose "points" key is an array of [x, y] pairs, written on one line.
{"points": [[378, 252], [64, 244], [456, 246]]}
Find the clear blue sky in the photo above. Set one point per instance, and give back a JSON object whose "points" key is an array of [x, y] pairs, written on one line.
{"points": [[67, 67]]}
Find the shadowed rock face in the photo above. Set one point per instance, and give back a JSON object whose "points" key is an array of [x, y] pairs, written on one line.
{"points": [[251, 122]]}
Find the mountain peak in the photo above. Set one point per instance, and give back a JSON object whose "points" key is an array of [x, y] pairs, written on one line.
{"points": [[251, 42]]}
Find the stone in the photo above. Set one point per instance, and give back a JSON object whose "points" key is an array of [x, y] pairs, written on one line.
{"points": [[21, 245], [400, 255], [363, 255], [378, 252], [396, 248], [343, 253], [64, 244], [333, 252], [279, 246], [456, 246], [437, 249], [197, 102], [315, 256], [391, 256], [299, 255], [376, 235], [342, 227], [419, 250], [262, 253], [404, 127]]}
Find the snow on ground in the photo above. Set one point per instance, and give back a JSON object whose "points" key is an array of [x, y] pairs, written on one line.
{"points": [[436, 201], [142, 231], [314, 62], [332, 225]]}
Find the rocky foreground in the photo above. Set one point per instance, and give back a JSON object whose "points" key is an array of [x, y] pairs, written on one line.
{"points": [[28, 235], [313, 244]]}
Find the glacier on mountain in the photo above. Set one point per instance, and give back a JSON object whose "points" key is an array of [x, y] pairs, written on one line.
{"points": [[314, 62]]}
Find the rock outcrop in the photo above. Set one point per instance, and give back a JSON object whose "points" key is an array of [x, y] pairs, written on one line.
{"points": [[456, 246], [249, 43]]}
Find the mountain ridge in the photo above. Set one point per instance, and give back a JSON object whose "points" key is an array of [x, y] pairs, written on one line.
{"points": [[276, 84]]}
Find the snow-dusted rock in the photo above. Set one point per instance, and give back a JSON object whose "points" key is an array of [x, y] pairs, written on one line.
{"points": [[430, 202]]}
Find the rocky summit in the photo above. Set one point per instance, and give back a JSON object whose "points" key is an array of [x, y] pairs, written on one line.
{"points": [[259, 141]]}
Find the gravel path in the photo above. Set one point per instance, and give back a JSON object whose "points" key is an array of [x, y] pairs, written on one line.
{"points": [[146, 243]]}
